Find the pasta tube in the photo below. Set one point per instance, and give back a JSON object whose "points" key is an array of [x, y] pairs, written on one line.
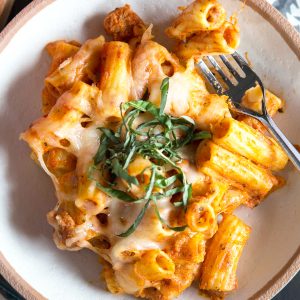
{"points": [[252, 122], [139, 168], [76, 214], [187, 247], [231, 200], [171, 288], [90, 199], [59, 161], [200, 217], [148, 71], [115, 80], [222, 197], [208, 111], [201, 15], [100, 243], [253, 99], [220, 264], [59, 51], [240, 138], [220, 41], [216, 195], [210, 156], [183, 278], [68, 182], [81, 67], [155, 265]]}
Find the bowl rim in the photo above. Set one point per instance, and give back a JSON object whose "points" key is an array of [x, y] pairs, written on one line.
{"points": [[291, 37]]}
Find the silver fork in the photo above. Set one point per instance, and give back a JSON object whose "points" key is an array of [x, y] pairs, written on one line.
{"points": [[236, 92]]}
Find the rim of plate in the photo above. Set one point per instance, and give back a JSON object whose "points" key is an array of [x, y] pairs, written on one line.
{"points": [[291, 37]]}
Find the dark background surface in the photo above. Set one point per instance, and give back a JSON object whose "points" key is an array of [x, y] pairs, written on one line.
{"points": [[290, 292]]}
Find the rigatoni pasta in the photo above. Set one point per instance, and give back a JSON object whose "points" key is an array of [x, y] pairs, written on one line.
{"points": [[253, 100], [82, 66], [250, 143], [187, 247], [202, 29], [60, 51], [155, 265], [115, 83], [225, 40], [218, 272], [201, 15], [237, 169], [201, 217]]}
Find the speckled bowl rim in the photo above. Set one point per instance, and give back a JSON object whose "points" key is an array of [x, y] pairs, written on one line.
{"points": [[292, 38]]}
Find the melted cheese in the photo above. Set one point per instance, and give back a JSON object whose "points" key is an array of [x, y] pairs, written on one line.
{"points": [[148, 235], [83, 103]]}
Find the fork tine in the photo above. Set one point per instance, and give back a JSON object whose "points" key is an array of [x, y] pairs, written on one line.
{"points": [[210, 77], [220, 71], [230, 67], [241, 62], [239, 59]]}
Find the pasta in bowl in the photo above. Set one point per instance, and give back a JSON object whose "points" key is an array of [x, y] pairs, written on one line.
{"points": [[149, 165]]}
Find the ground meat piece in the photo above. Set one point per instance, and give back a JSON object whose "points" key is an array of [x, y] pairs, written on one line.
{"points": [[66, 225], [124, 24]]}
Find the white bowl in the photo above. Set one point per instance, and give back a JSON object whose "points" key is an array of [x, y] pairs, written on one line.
{"points": [[28, 257]]}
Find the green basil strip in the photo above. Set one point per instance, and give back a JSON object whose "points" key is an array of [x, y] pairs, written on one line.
{"points": [[187, 119], [144, 106], [120, 172], [182, 127], [165, 182], [132, 118], [165, 158], [116, 193], [148, 124], [109, 134], [124, 119], [174, 191], [187, 193], [137, 221], [184, 141], [129, 157], [100, 155], [168, 193], [163, 221], [166, 121], [164, 94], [202, 135], [129, 140], [177, 204], [151, 184], [137, 132], [140, 216]]}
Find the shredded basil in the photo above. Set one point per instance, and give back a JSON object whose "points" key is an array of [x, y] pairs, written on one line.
{"points": [[137, 221], [139, 218], [164, 95], [179, 228], [158, 140]]}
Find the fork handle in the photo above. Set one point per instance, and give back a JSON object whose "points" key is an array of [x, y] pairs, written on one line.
{"points": [[290, 150]]}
